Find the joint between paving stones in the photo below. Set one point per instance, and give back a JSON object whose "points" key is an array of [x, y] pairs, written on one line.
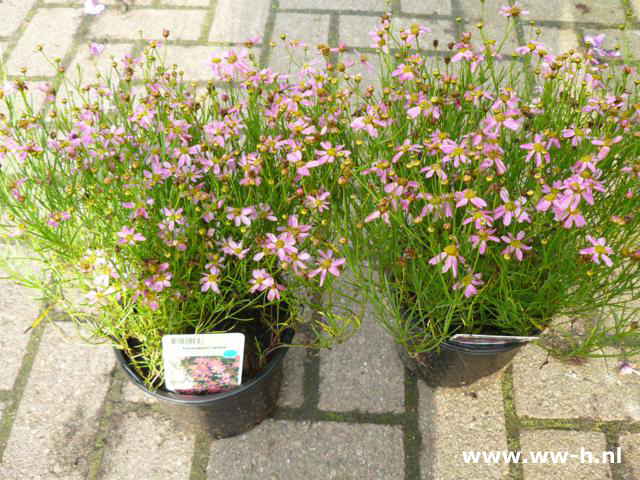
{"points": [[267, 38], [13, 39], [412, 439], [15, 395], [207, 23], [200, 457], [511, 422], [352, 417], [110, 404], [458, 13]]}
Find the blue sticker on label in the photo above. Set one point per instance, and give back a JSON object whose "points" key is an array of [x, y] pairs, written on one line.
{"points": [[230, 353]]}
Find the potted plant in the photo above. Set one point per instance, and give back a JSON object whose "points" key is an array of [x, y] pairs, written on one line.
{"points": [[497, 200], [166, 211]]}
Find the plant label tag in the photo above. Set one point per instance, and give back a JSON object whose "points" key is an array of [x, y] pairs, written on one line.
{"points": [[202, 363], [489, 339]]}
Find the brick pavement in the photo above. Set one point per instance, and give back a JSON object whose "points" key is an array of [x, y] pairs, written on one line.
{"points": [[66, 412]]}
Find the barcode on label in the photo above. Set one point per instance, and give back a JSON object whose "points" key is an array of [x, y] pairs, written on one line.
{"points": [[187, 341]]}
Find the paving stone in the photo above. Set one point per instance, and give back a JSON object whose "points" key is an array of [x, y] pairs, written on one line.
{"points": [[19, 307], [195, 62], [576, 11], [93, 64], [364, 373], [311, 29], [472, 10], [365, 5], [292, 389], [561, 390], [428, 7], [355, 29], [327, 450], [239, 20], [369, 76], [12, 13], [492, 31], [555, 40], [540, 441], [117, 3], [53, 27], [131, 393], [153, 444], [187, 3], [55, 427], [456, 420], [630, 445], [635, 6], [182, 24]]}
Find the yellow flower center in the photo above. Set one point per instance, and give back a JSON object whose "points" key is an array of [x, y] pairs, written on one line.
{"points": [[451, 250]]}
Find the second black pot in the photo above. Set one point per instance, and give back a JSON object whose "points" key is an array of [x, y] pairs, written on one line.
{"points": [[457, 364], [224, 414]]}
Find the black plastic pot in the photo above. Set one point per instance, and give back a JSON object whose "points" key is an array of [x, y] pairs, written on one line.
{"points": [[224, 414], [458, 364]]}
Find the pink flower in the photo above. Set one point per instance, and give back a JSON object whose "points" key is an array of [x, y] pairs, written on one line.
{"points": [[96, 48], [379, 38], [293, 227], [451, 258], [328, 155], [298, 259], [625, 368], [538, 149], [598, 250], [515, 244], [92, 7], [512, 11], [210, 280], [173, 217], [403, 73], [327, 265], [596, 45], [469, 282], [511, 210], [404, 148], [512, 119], [129, 236], [551, 193], [365, 123], [240, 215], [576, 134], [261, 280], [605, 145], [318, 202], [569, 217], [469, 195], [481, 238], [55, 219], [434, 168], [274, 292], [283, 245], [532, 47], [480, 219], [455, 151], [232, 248]]}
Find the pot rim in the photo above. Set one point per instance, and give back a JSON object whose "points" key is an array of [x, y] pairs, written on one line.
{"points": [[207, 398], [486, 349]]}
